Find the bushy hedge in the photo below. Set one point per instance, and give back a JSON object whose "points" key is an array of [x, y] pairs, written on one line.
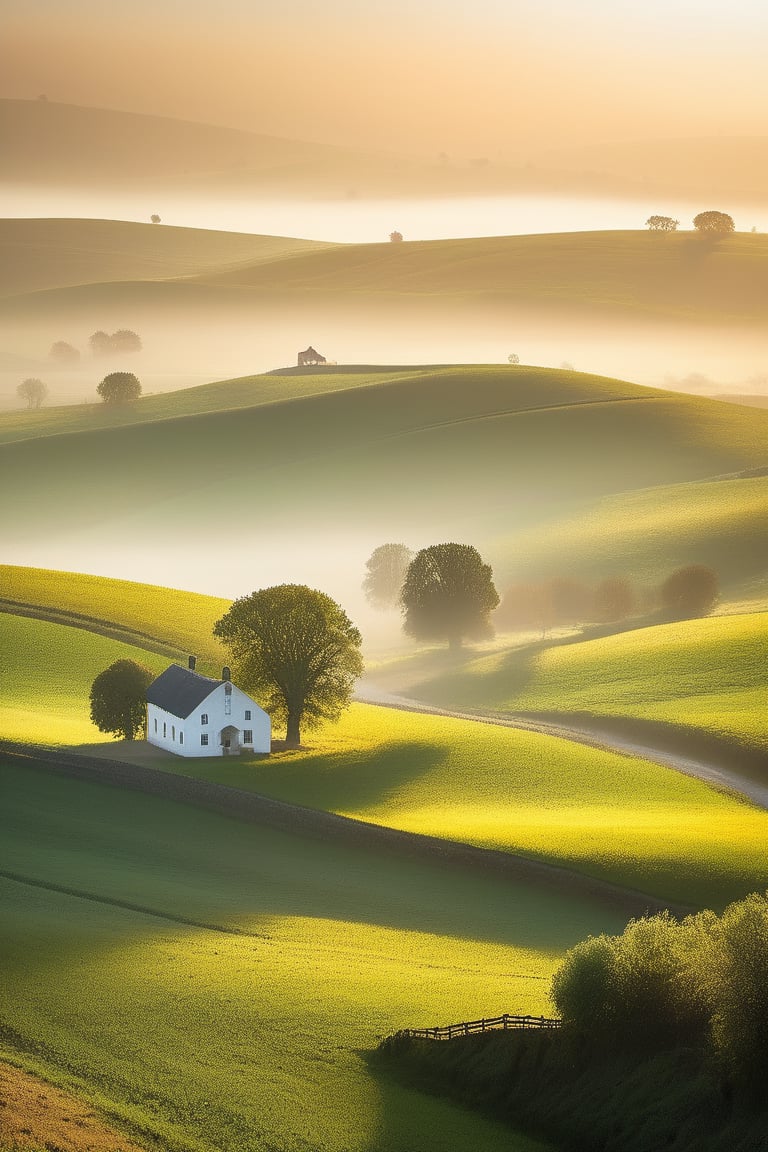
{"points": [[667, 982]]}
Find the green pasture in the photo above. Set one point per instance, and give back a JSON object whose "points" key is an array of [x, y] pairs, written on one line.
{"points": [[181, 619], [604, 814], [39, 254], [646, 534], [221, 395], [588, 276], [624, 274], [709, 674], [46, 676], [480, 450], [200, 1039], [607, 815]]}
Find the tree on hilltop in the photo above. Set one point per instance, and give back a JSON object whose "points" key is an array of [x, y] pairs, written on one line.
{"points": [[662, 224], [690, 592], [155, 218], [386, 569], [119, 699], [119, 388], [513, 358], [297, 649], [32, 390], [396, 237], [714, 222], [448, 594], [114, 344]]}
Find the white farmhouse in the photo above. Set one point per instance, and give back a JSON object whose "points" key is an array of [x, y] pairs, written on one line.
{"points": [[192, 715]]}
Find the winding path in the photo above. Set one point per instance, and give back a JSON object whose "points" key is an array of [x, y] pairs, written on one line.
{"points": [[606, 738]]}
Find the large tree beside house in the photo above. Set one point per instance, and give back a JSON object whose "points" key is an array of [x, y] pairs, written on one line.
{"points": [[118, 699], [297, 650]]}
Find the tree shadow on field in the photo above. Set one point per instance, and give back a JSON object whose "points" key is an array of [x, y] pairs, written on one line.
{"points": [[469, 687], [349, 781]]}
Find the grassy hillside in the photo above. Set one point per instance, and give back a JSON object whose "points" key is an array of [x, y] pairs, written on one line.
{"points": [[709, 674], [648, 533], [221, 395], [36, 254], [46, 679], [582, 277], [605, 815], [459, 449], [249, 1033], [183, 620], [642, 274]]}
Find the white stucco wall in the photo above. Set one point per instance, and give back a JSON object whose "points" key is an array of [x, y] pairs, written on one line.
{"points": [[192, 728]]}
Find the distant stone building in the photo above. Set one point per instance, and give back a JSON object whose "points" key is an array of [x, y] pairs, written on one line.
{"points": [[193, 715], [310, 356]]}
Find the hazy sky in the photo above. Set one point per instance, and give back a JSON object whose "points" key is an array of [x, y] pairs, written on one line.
{"points": [[475, 78]]}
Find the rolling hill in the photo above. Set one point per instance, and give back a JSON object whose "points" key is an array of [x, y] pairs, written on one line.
{"points": [[470, 451], [216, 984], [647, 533], [45, 254], [599, 814], [706, 674], [622, 277]]}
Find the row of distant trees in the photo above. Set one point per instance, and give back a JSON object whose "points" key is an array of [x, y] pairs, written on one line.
{"points": [[707, 222], [688, 592], [447, 592], [102, 344]]}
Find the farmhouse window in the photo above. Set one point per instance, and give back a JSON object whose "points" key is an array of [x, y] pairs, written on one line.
{"points": [[204, 739], [181, 737], [173, 732], [165, 729], [247, 713], [204, 718], [227, 699], [248, 736], [155, 724]]}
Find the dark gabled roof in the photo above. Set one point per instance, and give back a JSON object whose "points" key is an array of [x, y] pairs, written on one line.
{"points": [[179, 691]]}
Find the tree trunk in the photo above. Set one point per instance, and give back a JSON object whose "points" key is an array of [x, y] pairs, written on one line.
{"points": [[292, 737]]}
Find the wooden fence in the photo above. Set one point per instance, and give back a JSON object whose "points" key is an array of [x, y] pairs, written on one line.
{"points": [[488, 1025]]}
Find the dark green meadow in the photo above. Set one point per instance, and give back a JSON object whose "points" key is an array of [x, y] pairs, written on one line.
{"points": [[481, 449], [250, 1033]]}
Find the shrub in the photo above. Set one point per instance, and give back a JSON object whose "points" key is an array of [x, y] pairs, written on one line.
{"points": [[690, 592]]}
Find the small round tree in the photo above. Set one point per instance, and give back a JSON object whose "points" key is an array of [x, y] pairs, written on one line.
{"points": [[448, 594], [690, 592], [64, 354], [387, 567], [124, 340], [396, 237], [662, 224], [298, 650], [513, 358], [119, 388], [32, 390], [155, 218], [714, 222], [119, 699]]}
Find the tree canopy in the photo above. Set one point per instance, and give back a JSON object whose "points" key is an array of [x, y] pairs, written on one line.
{"points": [[448, 594], [386, 569], [662, 224], [64, 353], [396, 237], [714, 222], [690, 592], [119, 699], [119, 387], [297, 650], [106, 344], [32, 390]]}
